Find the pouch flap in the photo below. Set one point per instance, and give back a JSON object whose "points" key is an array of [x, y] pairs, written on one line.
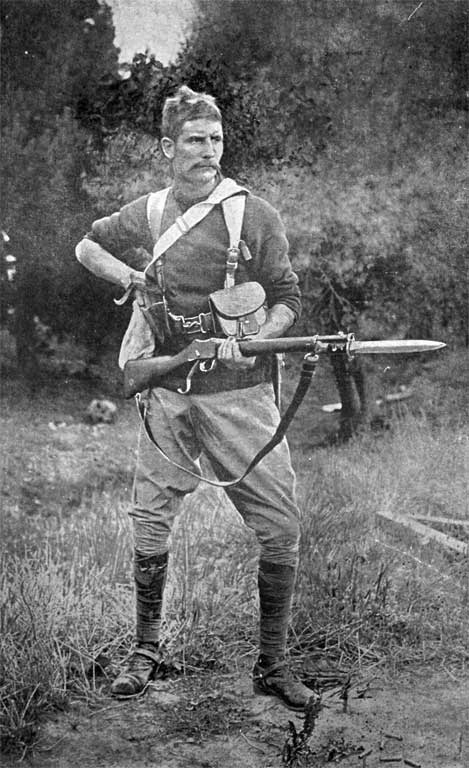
{"points": [[238, 301]]}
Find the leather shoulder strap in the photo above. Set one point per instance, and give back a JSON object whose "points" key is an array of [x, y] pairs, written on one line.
{"points": [[193, 216], [233, 211], [155, 209], [226, 188]]}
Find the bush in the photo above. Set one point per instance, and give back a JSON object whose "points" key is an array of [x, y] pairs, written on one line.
{"points": [[381, 254]]}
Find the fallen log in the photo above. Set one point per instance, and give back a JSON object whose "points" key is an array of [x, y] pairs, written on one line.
{"points": [[442, 520], [426, 532]]}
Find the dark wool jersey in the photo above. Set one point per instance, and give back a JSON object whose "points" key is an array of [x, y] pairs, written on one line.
{"points": [[194, 267]]}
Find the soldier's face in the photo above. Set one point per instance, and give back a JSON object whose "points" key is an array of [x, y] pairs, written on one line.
{"points": [[197, 151]]}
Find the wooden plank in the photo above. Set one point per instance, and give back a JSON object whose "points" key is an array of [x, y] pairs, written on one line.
{"points": [[426, 532], [443, 520]]}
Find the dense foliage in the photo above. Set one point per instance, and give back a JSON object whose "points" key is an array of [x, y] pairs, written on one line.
{"points": [[352, 118], [54, 54]]}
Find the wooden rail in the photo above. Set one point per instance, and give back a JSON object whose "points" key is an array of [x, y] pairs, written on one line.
{"points": [[426, 532]]}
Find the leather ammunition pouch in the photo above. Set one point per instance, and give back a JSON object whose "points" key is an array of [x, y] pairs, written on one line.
{"points": [[239, 310]]}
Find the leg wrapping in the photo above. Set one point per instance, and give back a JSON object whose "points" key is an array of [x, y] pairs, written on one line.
{"points": [[276, 583], [150, 579]]}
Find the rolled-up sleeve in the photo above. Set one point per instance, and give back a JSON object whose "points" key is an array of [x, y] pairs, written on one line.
{"points": [[123, 232], [265, 236]]}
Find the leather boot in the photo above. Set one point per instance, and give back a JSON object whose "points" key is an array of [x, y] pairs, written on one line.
{"points": [[150, 579], [139, 670], [271, 675], [274, 678]]}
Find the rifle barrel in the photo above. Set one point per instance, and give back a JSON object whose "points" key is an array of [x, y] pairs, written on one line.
{"points": [[288, 344]]}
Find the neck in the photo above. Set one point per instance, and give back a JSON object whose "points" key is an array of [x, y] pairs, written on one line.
{"points": [[187, 191]]}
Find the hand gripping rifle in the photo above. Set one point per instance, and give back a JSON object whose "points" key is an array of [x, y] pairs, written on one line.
{"points": [[145, 373]]}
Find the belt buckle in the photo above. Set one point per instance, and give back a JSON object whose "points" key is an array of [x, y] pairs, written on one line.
{"points": [[193, 324]]}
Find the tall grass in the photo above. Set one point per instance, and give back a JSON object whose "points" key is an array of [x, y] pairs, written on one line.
{"points": [[369, 593], [62, 607], [67, 609], [366, 594]]}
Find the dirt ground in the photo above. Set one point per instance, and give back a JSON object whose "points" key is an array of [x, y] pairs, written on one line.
{"points": [[217, 722]]}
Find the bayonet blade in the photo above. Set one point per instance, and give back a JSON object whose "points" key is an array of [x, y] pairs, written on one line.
{"points": [[393, 347]]}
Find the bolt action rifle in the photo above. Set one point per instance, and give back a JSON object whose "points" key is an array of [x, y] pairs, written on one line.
{"points": [[140, 375], [145, 373]]}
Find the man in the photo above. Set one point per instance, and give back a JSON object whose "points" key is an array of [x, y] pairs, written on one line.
{"points": [[228, 413]]}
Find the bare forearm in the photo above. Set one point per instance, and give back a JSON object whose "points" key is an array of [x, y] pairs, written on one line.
{"points": [[279, 319], [103, 264]]}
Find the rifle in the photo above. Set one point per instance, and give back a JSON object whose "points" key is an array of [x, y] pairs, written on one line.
{"points": [[146, 373]]}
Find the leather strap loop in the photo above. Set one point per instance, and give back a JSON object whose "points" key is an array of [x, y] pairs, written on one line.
{"points": [[148, 654], [262, 672]]}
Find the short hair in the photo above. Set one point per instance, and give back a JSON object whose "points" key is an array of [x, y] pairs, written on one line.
{"points": [[186, 105]]}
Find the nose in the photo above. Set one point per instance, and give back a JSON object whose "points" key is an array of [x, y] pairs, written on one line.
{"points": [[209, 148]]}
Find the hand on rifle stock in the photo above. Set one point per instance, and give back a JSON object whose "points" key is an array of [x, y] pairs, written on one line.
{"points": [[229, 354]]}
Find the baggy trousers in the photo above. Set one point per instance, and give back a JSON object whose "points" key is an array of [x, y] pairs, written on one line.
{"points": [[229, 427]]}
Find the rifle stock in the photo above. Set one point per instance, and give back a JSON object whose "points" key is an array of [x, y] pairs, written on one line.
{"points": [[146, 373]]}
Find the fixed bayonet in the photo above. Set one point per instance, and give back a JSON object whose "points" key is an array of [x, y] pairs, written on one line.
{"points": [[392, 347]]}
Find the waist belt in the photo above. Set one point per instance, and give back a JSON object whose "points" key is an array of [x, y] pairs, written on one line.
{"points": [[201, 323]]}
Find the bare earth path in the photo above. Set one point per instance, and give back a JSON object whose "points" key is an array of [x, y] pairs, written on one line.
{"points": [[216, 722]]}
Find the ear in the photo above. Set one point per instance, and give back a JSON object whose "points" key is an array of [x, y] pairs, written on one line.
{"points": [[167, 146]]}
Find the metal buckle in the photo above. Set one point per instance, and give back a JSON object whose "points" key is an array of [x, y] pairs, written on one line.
{"points": [[182, 224], [232, 258], [191, 324]]}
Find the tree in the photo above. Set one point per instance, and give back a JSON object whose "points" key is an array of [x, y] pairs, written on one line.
{"points": [[54, 54]]}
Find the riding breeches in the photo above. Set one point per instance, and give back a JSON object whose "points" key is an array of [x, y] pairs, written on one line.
{"points": [[229, 428]]}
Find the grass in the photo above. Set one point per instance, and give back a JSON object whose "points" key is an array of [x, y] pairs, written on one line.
{"points": [[368, 595]]}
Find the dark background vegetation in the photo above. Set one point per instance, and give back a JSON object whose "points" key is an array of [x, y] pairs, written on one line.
{"points": [[351, 116]]}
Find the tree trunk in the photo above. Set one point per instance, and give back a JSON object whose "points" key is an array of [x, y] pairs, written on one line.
{"points": [[350, 380]]}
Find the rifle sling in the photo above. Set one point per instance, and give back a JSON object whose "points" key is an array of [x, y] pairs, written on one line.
{"points": [[307, 373]]}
